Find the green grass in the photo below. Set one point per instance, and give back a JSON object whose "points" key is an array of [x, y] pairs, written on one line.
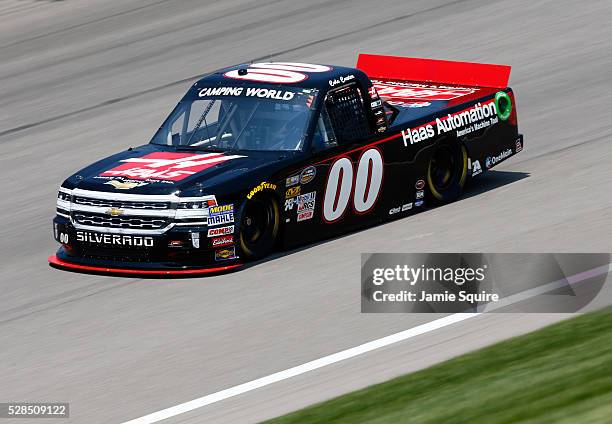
{"points": [[560, 374]]}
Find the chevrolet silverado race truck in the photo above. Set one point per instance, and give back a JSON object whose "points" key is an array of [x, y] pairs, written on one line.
{"points": [[276, 154]]}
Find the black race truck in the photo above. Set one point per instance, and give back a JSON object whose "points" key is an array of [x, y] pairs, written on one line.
{"points": [[276, 154]]}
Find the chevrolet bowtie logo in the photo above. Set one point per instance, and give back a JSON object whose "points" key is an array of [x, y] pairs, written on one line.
{"points": [[114, 212], [122, 185]]}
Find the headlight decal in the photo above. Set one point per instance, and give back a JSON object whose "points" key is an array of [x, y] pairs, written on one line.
{"points": [[64, 197]]}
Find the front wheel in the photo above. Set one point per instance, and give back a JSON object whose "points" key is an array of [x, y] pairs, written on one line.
{"points": [[447, 172], [259, 227]]}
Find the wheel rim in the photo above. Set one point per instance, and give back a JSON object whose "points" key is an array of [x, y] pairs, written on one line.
{"points": [[255, 221], [443, 168]]}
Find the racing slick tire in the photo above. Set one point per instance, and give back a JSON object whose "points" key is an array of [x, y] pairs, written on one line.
{"points": [[259, 227], [447, 172]]}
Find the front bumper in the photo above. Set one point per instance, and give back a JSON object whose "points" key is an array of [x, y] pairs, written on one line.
{"points": [[56, 262], [180, 251]]}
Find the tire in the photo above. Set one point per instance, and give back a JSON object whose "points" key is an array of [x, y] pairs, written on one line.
{"points": [[259, 227], [447, 172]]}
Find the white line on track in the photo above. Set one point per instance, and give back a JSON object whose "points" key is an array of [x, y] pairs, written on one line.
{"points": [[357, 350]]}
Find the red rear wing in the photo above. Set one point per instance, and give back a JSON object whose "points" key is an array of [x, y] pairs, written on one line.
{"points": [[430, 70]]}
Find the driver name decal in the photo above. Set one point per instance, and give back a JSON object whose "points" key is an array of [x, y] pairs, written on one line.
{"points": [[166, 165]]}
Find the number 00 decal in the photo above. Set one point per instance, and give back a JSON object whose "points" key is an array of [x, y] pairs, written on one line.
{"points": [[277, 72], [340, 189]]}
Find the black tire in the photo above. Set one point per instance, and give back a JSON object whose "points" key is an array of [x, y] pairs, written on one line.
{"points": [[447, 172], [259, 227]]}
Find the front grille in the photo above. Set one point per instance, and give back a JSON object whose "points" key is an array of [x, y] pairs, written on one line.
{"points": [[128, 222], [105, 203]]}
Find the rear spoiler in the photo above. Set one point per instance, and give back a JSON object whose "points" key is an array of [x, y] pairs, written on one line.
{"points": [[431, 70]]}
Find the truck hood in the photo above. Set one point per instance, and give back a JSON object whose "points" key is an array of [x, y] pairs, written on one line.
{"points": [[158, 170]]}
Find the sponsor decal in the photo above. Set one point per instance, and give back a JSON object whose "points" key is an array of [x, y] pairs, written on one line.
{"points": [[305, 206], [519, 146], [220, 219], [373, 93], [306, 202], [341, 80], [114, 239], [195, 240], [267, 93], [494, 160], [220, 231], [308, 174], [418, 203], [225, 254], [125, 185], [170, 166], [415, 135], [420, 184], [479, 116], [261, 187], [260, 92], [293, 191], [263, 93], [289, 203], [219, 215], [477, 126], [220, 91], [420, 194], [114, 212], [214, 210], [303, 216], [393, 211], [222, 241], [476, 168], [406, 207], [277, 72], [414, 91], [292, 180]]}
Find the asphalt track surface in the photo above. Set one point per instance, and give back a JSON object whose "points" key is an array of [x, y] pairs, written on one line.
{"points": [[83, 79]]}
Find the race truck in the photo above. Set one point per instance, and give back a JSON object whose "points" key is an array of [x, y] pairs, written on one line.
{"points": [[272, 155]]}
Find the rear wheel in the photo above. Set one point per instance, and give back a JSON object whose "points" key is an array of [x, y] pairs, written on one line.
{"points": [[447, 172], [259, 227]]}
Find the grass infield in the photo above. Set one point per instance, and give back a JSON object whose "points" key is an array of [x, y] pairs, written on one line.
{"points": [[559, 374]]}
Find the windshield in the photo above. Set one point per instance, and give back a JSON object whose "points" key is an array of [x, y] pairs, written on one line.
{"points": [[239, 118]]}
